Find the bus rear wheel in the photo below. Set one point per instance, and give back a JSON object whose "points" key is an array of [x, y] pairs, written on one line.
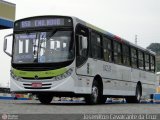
{"points": [[45, 98], [137, 97]]}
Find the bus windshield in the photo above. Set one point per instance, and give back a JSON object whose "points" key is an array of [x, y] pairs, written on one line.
{"points": [[43, 47]]}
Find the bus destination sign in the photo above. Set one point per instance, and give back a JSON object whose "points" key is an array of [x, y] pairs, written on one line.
{"points": [[44, 22]]}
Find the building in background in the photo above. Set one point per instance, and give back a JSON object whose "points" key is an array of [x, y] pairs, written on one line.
{"points": [[7, 18], [7, 14]]}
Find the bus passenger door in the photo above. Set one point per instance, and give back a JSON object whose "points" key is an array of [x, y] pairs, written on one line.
{"points": [[81, 49], [82, 38]]}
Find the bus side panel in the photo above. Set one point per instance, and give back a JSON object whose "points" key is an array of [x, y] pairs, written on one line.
{"points": [[120, 80], [84, 78], [116, 78], [147, 80], [148, 83]]}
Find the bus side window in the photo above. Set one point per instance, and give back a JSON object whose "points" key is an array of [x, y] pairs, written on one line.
{"points": [[152, 63], [147, 66], [126, 56], [82, 37], [117, 52], [107, 51], [96, 46], [134, 57], [140, 60]]}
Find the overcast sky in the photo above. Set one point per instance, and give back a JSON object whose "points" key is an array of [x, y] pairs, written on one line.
{"points": [[125, 18]]}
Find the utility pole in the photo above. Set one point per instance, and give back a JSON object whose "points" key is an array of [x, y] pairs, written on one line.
{"points": [[136, 39]]}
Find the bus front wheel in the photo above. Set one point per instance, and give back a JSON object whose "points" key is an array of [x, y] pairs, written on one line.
{"points": [[45, 98], [94, 97]]}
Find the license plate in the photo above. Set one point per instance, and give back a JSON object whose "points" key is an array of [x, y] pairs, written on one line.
{"points": [[36, 85]]}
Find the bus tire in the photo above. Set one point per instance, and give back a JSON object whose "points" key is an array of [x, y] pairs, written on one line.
{"points": [[137, 97], [45, 98], [94, 97]]}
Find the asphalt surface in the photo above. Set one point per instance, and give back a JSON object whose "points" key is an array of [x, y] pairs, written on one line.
{"points": [[34, 107]]}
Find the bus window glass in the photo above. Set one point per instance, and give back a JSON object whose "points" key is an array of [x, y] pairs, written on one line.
{"points": [[134, 57], [147, 67], [42, 47], [82, 34], [107, 49], [126, 56], [96, 46], [117, 53], [152, 63], [140, 60]]}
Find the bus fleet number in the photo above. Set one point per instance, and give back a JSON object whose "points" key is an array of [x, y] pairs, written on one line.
{"points": [[107, 68]]}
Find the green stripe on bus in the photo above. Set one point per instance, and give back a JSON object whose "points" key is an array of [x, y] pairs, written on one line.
{"points": [[32, 74]]}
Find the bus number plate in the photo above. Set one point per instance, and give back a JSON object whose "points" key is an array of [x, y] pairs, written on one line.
{"points": [[36, 85]]}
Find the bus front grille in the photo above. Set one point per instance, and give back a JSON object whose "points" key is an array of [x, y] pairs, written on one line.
{"points": [[37, 88], [44, 86]]}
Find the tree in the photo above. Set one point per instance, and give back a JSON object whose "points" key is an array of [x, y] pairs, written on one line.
{"points": [[155, 47], [158, 66]]}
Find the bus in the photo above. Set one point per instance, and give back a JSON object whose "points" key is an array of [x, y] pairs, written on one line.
{"points": [[66, 56]]}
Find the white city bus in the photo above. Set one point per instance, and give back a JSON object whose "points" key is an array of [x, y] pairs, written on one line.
{"points": [[65, 56]]}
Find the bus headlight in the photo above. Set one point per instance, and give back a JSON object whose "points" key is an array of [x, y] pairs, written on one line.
{"points": [[15, 77], [65, 75]]}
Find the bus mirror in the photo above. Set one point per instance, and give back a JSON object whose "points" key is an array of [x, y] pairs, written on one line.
{"points": [[7, 47]]}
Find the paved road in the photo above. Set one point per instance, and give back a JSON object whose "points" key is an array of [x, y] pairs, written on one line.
{"points": [[34, 107]]}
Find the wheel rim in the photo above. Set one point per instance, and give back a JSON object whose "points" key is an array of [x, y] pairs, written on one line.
{"points": [[94, 94]]}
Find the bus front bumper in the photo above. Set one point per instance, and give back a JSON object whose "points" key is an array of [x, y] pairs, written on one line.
{"points": [[47, 85]]}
